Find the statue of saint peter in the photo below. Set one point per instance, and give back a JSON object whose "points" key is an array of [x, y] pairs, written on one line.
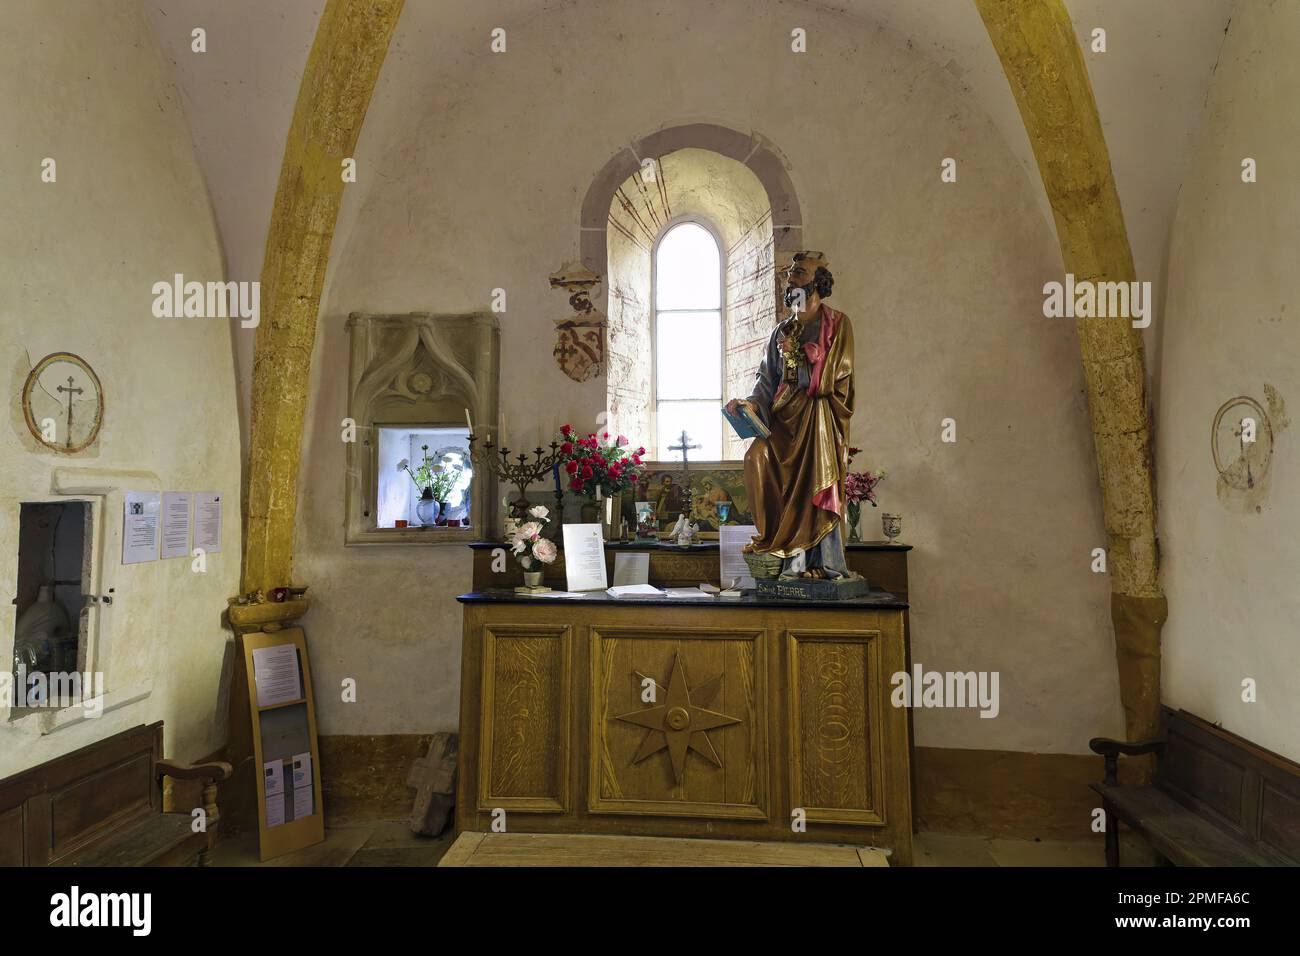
{"points": [[803, 392]]}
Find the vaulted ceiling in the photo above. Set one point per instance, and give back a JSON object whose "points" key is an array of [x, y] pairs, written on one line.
{"points": [[1150, 85]]}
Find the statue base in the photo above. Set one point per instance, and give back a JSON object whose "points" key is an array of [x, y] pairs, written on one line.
{"points": [[813, 589]]}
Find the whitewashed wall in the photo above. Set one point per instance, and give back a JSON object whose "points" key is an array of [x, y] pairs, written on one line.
{"points": [[84, 83], [1231, 559], [473, 167]]}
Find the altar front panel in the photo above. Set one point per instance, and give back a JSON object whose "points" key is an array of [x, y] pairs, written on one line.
{"points": [[568, 709], [836, 713], [629, 664], [526, 716]]}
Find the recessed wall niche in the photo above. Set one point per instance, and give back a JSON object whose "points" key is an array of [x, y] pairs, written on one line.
{"points": [[54, 556], [411, 379]]}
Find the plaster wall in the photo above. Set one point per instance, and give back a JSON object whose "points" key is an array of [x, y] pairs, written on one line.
{"points": [[1150, 87], [84, 83], [1229, 556], [473, 169], [238, 97]]}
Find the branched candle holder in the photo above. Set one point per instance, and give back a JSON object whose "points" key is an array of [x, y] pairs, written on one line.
{"points": [[521, 472]]}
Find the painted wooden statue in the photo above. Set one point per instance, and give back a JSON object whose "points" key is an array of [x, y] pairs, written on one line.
{"points": [[804, 394]]}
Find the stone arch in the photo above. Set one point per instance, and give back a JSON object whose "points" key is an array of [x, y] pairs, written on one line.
{"points": [[763, 226], [1036, 44], [751, 149]]}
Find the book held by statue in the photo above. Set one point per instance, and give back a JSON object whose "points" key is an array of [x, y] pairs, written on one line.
{"points": [[745, 422]]}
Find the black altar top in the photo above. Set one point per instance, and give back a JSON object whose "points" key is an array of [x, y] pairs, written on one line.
{"points": [[703, 547], [875, 601]]}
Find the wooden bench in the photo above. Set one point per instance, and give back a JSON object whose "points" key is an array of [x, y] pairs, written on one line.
{"points": [[102, 806], [1215, 800]]}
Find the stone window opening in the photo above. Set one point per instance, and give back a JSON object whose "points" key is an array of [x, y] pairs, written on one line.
{"points": [[737, 187], [688, 337]]}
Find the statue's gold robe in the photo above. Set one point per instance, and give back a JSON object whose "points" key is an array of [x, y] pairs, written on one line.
{"points": [[795, 477]]}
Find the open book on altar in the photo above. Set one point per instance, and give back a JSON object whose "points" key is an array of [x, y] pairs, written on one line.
{"points": [[745, 423]]}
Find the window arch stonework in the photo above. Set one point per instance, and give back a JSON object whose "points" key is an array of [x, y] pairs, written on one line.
{"points": [[736, 181]]}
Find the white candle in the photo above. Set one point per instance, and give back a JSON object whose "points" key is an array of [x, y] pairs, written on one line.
{"points": [[468, 423], [598, 492]]}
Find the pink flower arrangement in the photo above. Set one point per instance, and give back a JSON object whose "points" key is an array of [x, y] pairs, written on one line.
{"points": [[860, 486], [527, 542]]}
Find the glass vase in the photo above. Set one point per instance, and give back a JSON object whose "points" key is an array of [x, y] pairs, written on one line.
{"points": [[855, 516]]}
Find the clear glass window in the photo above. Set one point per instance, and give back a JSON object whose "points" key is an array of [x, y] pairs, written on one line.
{"points": [[688, 342]]}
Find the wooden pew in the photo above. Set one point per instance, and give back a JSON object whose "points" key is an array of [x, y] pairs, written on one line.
{"points": [[1216, 799], [102, 806]]}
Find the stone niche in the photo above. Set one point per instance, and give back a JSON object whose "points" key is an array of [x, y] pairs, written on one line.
{"points": [[410, 379]]}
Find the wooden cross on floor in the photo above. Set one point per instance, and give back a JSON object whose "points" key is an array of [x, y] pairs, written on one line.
{"points": [[70, 390], [433, 777]]}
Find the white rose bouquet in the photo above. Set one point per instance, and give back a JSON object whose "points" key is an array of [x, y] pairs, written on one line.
{"points": [[527, 541]]}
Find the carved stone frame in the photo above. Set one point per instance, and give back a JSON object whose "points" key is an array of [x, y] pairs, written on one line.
{"points": [[461, 355]]}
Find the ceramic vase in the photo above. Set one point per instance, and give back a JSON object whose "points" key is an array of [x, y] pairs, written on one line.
{"points": [[426, 509]]}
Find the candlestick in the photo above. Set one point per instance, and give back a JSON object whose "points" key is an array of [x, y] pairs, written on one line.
{"points": [[521, 471]]}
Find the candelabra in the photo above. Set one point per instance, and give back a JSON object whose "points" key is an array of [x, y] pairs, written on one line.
{"points": [[521, 472]]}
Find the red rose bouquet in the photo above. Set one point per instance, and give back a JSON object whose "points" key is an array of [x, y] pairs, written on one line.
{"points": [[593, 462]]}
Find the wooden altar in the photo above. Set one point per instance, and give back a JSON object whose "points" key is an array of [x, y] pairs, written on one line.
{"points": [[740, 718]]}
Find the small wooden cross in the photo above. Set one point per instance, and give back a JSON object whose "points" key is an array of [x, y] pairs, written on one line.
{"points": [[70, 390]]}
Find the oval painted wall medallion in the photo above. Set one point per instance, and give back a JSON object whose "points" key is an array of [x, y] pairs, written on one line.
{"points": [[63, 402]]}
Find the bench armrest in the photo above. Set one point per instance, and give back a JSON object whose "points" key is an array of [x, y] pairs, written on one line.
{"points": [[216, 770], [1111, 749]]}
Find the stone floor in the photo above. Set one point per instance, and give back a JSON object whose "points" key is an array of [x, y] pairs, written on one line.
{"points": [[392, 844]]}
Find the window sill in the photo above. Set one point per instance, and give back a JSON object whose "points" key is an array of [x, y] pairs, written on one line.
{"points": [[413, 536], [42, 721]]}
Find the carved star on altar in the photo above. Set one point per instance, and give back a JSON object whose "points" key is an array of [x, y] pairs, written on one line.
{"points": [[683, 724]]}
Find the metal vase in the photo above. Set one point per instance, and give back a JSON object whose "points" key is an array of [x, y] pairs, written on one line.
{"points": [[611, 515]]}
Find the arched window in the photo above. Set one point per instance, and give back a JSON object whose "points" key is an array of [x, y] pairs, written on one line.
{"points": [[688, 340]]}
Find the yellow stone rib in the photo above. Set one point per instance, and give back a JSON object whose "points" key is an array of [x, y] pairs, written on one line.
{"points": [[1036, 43], [351, 42]]}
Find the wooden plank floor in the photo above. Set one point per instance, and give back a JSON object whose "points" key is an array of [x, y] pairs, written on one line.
{"points": [[546, 849]]}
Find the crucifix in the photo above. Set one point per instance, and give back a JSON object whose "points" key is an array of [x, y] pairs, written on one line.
{"points": [[684, 447], [70, 390]]}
